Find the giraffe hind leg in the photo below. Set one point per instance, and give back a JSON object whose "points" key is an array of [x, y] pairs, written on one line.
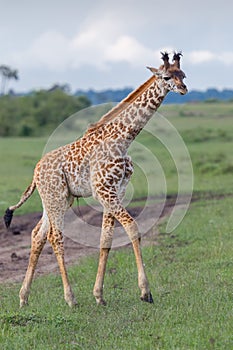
{"points": [[38, 240], [56, 240]]}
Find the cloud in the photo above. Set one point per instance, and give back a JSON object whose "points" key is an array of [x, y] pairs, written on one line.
{"points": [[226, 58], [197, 57], [55, 51], [94, 46], [100, 48], [205, 56], [99, 43], [128, 49], [88, 47], [50, 50]]}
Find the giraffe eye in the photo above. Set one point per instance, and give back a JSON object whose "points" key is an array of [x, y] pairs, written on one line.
{"points": [[167, 78]]}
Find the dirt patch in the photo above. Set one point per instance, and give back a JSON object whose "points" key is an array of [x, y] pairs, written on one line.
{"points": [[81, 238]]}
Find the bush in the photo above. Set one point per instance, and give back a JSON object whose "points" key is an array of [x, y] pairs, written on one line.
{"points": [[31, 115]]}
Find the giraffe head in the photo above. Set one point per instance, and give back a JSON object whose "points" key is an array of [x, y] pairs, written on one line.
{"points": [[170, 76]]}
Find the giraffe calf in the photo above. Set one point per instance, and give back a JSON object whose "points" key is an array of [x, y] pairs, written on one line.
{"points": [[96, 165]]}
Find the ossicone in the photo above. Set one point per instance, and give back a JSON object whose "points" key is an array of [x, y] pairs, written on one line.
{"points": [[165, 58], [176, 58]]}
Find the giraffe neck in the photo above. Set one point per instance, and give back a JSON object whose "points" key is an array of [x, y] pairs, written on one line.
{"points": [[125, 121], [135, 114]]}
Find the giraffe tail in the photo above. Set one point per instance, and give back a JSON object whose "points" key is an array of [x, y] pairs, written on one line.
{"points": [[9, 212]]}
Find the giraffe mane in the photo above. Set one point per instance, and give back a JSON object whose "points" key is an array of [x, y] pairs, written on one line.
{"points": [[114, 112]]}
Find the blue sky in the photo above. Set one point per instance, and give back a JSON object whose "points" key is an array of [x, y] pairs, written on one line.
{"points": [[108, 44]]}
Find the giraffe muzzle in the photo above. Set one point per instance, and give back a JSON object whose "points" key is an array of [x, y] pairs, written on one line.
{"points": [[183, 89]]}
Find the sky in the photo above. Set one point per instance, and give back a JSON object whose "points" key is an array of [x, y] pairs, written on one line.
{"points": [[108, 44]]}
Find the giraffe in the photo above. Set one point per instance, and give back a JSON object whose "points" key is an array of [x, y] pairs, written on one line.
{"points": [[97, 164]]}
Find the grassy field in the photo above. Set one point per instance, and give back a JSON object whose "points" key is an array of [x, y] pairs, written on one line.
{"points": [[190, 274], [190, 271]]}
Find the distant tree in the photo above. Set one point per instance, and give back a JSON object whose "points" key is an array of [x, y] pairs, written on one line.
{"points": [[63, 87], [7, 73]]}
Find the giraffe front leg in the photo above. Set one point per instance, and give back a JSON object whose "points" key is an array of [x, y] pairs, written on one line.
{"points": [[105, 246], [131, 229], [142, 279]]}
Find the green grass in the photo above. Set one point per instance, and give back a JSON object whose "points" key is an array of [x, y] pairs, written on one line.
{"points": [[190, 270], [190, 274], [18, 157]]}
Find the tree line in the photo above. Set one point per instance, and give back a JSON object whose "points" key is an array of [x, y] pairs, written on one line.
{"points": [[37, 113]]}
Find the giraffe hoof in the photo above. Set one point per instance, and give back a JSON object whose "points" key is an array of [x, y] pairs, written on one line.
{"points": [[101, 302], [23, 303], [72, 302], [70, 299], [148, 298]]}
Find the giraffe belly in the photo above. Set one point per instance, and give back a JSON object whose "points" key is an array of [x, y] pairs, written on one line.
{"points": [[80, 186], [82, 191]]}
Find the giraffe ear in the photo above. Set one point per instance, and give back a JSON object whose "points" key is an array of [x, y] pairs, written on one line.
{"points": [[155, 71]]}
